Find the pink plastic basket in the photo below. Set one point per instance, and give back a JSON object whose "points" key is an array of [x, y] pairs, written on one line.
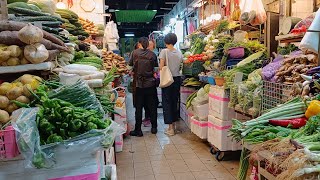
{"points": [[236, 52], [8, 144]]}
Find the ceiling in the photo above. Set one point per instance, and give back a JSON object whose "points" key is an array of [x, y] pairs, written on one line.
{"points": [[138, 25]]}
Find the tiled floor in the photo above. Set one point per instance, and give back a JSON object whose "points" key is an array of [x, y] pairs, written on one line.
{"points": [[180, 157]]}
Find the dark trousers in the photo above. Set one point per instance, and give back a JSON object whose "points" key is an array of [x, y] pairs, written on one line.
{"points": [[146, 97], [170, 97]]}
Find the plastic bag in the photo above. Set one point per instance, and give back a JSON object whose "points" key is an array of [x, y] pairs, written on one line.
{"points": [[257, 98], [310, 40], [84, 98], [270, 70], [252, 11], [48, 156]]}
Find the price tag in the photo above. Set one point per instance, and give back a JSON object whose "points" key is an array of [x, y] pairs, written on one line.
{"points": [[238, 78]]}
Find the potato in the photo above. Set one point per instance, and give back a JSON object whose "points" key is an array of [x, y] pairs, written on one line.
{"points": [[13, 61], [15, 93], [15, 51], [4, 56]]}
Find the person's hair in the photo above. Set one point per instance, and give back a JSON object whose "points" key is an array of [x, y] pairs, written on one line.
{"points": [[144, 42], [136, 46], [170, 38]]}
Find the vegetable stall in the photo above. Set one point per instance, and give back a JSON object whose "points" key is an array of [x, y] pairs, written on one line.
{"points": [[48, 57]]}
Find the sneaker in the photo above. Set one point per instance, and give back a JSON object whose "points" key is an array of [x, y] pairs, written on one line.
{"points": [[146, 123], [136, 133], [169, 132], [154, 130]]}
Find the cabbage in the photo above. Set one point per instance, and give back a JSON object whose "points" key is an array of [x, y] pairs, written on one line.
{"points": [[187, 54]]}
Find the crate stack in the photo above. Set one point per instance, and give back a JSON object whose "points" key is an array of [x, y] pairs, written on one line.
{"points": [[219, 120], [185, 114]]}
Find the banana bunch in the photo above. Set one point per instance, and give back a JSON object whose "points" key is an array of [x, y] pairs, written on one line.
{"points": [[190, 99], [191, 82], [236, 14]]}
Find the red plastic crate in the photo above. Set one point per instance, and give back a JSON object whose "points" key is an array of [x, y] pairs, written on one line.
{"points": [[8, 144]]}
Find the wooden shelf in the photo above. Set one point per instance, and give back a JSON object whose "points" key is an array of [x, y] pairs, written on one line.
{"points": [[290, 38], [46, 66]]}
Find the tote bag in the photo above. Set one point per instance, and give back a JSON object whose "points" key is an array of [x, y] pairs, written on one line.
{"points": [[166, 78]]}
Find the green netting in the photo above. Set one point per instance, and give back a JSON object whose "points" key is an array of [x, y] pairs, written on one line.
{"points": [[135, 15]]}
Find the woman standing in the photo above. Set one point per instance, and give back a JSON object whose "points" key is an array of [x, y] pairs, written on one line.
{"points": [[144, 61], [170, 94]]}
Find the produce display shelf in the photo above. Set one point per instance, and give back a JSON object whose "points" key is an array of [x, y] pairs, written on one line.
{"points": [[262, 171], [46, 66]]}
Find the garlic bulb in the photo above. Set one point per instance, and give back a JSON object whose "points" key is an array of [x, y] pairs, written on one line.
{"points": [[30, 34], [36, 53]]}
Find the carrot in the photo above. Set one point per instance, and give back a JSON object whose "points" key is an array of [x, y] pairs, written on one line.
{"points": [[16, 26]]}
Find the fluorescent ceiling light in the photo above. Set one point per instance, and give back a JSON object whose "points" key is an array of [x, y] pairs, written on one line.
{"points": [[171, 2], [61, 5], [129, 35], [169, 9], [111, 10], [155, 10], [116, 10]]}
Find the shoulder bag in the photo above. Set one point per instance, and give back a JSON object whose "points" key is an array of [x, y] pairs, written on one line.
{"points": [[166, 78]]}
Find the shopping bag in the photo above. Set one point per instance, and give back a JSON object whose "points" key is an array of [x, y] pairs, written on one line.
{"points": [[166, 78], [252, 11]]}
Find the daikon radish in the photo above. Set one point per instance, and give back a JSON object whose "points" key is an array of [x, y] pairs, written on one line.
{"points": [[97, 75], [79, 72], [93, 83], [80, 67]]}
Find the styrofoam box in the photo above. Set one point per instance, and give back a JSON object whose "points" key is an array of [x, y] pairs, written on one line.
{"points": [[190, 113], [202, 111], [199, 128], [109, 157], [218, 131], [185, 92], [183, 112], [119, 143], [218, 104], [90, 168]]}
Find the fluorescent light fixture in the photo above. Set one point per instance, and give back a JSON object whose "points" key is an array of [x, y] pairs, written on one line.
{"points": [[155, 10], [61, 5], [129, 35], [112, 10], [116, 10]]}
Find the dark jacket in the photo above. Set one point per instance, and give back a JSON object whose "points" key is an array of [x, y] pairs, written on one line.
{"points": [[144, 61]]}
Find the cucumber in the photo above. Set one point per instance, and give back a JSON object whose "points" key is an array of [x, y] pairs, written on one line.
{"points": [[35, 18], [51, 30], [34, 7], [24, 11], [19, 4], [13, 1], [66, 11], [51, 24]]}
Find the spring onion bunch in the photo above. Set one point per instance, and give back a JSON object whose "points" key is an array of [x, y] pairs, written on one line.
{"points": [[293, 109]]}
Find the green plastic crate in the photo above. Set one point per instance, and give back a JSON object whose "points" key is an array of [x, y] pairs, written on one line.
{"points": [[193, 69]]}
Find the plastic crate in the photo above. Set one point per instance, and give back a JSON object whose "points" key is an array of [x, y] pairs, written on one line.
{"points": [[218, 103], [218, 135], [193, 69], [8, 144], [199, 128], [233, 62]]}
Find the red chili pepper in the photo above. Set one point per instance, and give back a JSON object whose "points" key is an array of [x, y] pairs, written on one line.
{"points": [[295, 123]]}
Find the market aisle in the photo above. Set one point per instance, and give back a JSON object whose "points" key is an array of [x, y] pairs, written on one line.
{"points": [[181, 157]]}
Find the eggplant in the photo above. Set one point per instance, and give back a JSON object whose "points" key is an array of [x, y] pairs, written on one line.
{"points": [[313, 70]]}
